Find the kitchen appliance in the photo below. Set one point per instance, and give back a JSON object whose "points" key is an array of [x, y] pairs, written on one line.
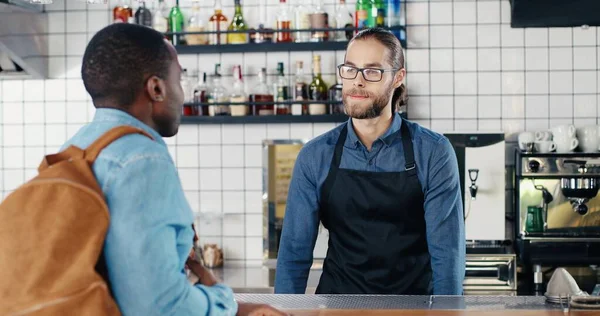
{"points": [[482, 168], [490, 274], [565, 185]]}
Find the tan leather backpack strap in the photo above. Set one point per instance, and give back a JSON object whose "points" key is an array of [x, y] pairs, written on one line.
{"points": [[92, 152]]}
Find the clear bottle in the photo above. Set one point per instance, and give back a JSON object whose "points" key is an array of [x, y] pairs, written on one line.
{"points": [[317, 90], [238, 95], [217, 23], [196, 24], [262, 94], [343, 19], [300, 91], [319, 20], [284, 22], [218, 94], [122, 12], [189, 109], [143, 16], [283, 92], [335, 97], [160, 21], [393, 17], [201, 91], [301, 22]]}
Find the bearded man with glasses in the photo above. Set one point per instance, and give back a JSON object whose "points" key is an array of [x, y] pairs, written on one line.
{"points": [[387, 189]]}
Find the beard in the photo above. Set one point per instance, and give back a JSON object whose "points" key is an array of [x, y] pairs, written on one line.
{"points": [[380, 101]]}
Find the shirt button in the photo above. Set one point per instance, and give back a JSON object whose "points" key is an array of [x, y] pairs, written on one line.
{"points": [[371, 162]]}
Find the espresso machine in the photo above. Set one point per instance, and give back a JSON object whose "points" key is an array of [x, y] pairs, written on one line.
{"points": [[557, 210]]}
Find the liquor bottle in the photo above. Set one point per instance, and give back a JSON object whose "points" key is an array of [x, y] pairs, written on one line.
{"points": [[300, 91], [143, 16], [188, 93], [284, 22], [218, 94], [196, 24], [201, 91], [283, 92], [378, 12], [343, 19], [160, 22], [335, 97], [238, 95], [262, 94], [393, 18], [364, 17], [217, 23], [317, 90], [301, 22], [122, 13], [237, 24], [319, 20], [176, 24]]}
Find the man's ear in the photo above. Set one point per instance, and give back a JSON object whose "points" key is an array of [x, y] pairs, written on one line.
{"points": [[399, 77], [156, 89]]}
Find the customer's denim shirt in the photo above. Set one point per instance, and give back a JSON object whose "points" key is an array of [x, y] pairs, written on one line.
{"points": [[150, 233]]}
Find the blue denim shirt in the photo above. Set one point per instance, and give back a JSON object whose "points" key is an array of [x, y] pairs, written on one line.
{"points": [[437, 172], [150, 233]]}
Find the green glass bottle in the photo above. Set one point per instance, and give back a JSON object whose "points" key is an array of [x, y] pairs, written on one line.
{"points": [[364, 14], [176, 24], [237, 24], [317, 90], [379, 13]]}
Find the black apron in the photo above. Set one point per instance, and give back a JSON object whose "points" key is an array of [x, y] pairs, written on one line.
{"points": [[377, 235]]}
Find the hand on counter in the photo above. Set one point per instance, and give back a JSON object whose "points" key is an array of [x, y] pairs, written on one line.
{"points": [[249, 309]]}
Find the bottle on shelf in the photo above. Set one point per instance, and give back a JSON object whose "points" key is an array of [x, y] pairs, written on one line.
{"points": [[122, 12], [335, 97], [143, 16], [343, 19], [238, 95], [317, 90], [283, 92], [188, 93], [160, 21], [301, 22], [379, 13], [363, 18], [217, 23], [176, 24], [393, 18], [284, 23], [196, 24], [262, 94], [300, 91], [218, 94], [319, 20], [238, 24], [201, 91]]}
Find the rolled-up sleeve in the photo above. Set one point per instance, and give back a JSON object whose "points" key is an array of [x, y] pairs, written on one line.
{"points": [[444, 220], [300, 229], [149, 216]]}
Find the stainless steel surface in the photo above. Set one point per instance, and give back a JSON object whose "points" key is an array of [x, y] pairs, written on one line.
{"points": [[490, 273], [400, 302], [23, 40]]}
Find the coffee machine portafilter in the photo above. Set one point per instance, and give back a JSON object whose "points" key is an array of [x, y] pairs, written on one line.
{"points": [[581, 188]]}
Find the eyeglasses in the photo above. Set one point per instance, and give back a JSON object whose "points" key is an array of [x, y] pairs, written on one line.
{"points": [[370, 74]]}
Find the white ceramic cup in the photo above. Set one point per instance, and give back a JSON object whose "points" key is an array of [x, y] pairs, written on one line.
{"points": [[565, 145], [587, 132], [543, 136], [563, 131], [525, 138], [589, 144], [545, 146]]}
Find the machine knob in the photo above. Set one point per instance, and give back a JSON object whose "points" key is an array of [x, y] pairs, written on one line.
{"points": [[534, 166], [582, 209]]}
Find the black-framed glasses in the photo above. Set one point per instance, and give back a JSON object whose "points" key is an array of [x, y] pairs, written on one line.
{"points": [[370, 74]]}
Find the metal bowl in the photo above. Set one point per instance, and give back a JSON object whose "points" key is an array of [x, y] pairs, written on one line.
{"points": [[584, 188]]}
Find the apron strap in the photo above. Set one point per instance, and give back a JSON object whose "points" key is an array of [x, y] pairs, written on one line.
{"points": [[335, 165], [409, 154]]}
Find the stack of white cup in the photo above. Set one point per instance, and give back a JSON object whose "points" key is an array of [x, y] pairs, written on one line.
{"points": [[564, 138]]}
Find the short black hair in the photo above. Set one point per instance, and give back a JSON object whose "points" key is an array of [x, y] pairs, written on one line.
{"points": [[117, 61]]}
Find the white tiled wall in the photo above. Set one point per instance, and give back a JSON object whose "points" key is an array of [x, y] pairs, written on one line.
{"points": [[467, 70]]}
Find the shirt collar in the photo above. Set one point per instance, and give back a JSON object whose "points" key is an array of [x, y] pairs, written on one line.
{"points": [[352, 140], [123, 118]]}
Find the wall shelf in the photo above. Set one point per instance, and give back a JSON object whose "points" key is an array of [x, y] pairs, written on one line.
{"points": [[267, 119]]}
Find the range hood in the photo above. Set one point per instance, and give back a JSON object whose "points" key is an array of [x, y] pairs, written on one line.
{"points": [[23, 40], [554, 13]]}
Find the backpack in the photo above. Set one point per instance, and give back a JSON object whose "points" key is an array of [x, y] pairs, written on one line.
{"points": [[52, 232]]}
